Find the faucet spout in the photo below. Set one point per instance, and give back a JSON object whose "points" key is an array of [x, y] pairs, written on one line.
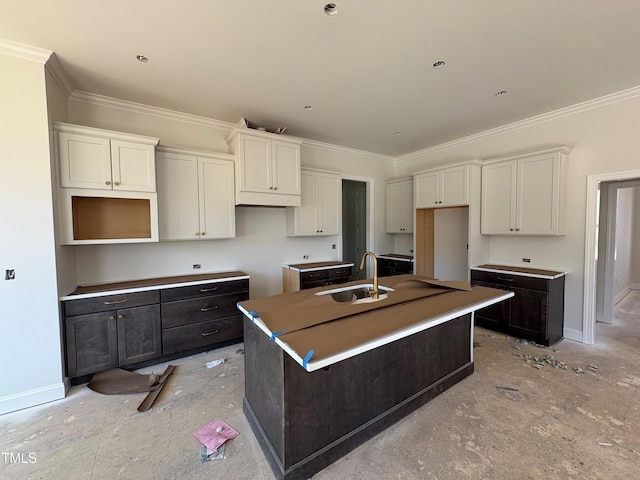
{"points": [[374, 292]]}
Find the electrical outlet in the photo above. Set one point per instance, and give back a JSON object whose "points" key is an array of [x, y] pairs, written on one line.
{"points": [[196, 266], [306, 257], [526, 260], [10, 274], [333, 246]]}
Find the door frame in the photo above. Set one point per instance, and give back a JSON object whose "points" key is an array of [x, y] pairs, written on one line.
{"points": [[590, 251]]}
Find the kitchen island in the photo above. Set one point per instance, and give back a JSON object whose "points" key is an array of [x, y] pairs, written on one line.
{"points": [[323, 376]]}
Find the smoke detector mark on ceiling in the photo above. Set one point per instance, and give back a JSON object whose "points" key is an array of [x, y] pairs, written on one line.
{"points": [[331, 9], [142, 59]]}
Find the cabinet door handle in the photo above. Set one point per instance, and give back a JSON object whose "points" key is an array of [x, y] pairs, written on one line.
{"points": [[270, 188], [203, 233], [107, 182], [212, 289], [197, 234], [116, 183], [120, 316], [505, 279], [113, 302], [275, 188], [208, 309], [111, 317], [210, 333]]}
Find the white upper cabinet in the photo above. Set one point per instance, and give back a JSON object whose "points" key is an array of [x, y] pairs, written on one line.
{"points": [[442, 187], [195, 195], [105, 160], [399, 206], [267, 168], [525, 194], [320, 212]]}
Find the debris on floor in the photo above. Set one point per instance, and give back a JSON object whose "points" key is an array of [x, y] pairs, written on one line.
{"points": [[240, 351], [215, 363], [213, 437], [579, 371], [593, 368], [476, 344], [511, 393], [116, 381]]}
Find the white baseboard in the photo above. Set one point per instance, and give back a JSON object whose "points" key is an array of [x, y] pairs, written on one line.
{"points": [[634, 286], [571, 334], [31, 398]]}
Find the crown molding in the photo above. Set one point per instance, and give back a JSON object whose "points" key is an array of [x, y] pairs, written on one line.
{"points": [[347, 150], [528, 122], [15, 49], [104, 101], [59, 75]]}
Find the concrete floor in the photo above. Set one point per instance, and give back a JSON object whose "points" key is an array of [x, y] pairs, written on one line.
{"points": [[558, 425]]}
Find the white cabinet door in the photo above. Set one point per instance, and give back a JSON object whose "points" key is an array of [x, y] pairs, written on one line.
{"points": [[217, 205], [178, 196], [538, 192], [254, 160], [399, 207], [499, 198], [85, 161], [133, 166], [320, 212], [453, 186], [426, 185], [329, 204], [286, 168], [525, 195]]}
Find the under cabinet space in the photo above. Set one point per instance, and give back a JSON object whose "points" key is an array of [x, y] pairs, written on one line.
{"points": [[91, 217], [100, 218]]}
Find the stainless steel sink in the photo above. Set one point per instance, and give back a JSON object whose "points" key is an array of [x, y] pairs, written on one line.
{"points": [[356, 294]]}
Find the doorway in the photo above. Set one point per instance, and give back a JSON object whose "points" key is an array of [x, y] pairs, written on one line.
{"points": [[617, 219], [354, 224], [593, 219]]}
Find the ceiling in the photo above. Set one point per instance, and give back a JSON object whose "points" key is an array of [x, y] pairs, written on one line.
{"points": [[367, 72]]}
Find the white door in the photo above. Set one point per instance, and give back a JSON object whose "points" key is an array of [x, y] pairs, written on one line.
{"points": [[255, 164], [217, 205], [538, 196], [330, 204], [307, 212], [133, 166], [406, 209], [498, 198], [393, 201], [178, 196], [85, 161], [426, 192], [286, 168], [454, 187]]}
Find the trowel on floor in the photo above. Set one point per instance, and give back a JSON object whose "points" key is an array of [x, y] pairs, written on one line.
{"points": [[117, 381]]}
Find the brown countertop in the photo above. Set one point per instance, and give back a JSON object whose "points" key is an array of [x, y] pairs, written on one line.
{"points": [[306, 267], [152, 283], [535, 272]]}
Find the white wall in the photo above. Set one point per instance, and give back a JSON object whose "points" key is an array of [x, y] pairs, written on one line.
{"points": [[261, 246], [605, 139], [30, 349], [635, 271]]}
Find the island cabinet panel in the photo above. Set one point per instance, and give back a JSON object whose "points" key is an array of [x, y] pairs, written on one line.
{"points": [[306, 420], [388, 267], [535, 312]]}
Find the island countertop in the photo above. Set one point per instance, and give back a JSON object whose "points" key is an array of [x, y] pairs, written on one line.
{"points": [[317, 332]]}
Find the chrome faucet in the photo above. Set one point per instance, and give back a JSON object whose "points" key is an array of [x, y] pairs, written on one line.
{"points": [[374, 292]]}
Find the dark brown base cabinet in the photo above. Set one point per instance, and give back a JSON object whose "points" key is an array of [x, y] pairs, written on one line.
{"points": [[535, 312], [388, 267], [305, 421], [156, 325]]}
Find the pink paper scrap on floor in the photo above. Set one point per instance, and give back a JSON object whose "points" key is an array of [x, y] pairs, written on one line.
{"points": [[214, 434]]}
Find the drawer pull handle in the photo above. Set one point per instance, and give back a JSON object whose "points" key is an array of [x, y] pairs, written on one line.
{"points": [[505, 279], [314, 275], [208, 309], [210, 333], [212, 289], [113, 302]]}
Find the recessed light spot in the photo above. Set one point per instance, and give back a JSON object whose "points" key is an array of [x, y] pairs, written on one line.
{"points": [[501, 93], [308, 107], [439, 64], [142, 59], [331, 9]]}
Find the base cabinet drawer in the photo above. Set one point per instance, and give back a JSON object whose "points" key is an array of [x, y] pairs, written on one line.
{"points": [[184, 312], [202, 334]]}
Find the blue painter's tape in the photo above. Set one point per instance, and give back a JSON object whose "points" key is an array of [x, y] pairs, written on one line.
{"points": [[306, 359], [275, 334]]}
